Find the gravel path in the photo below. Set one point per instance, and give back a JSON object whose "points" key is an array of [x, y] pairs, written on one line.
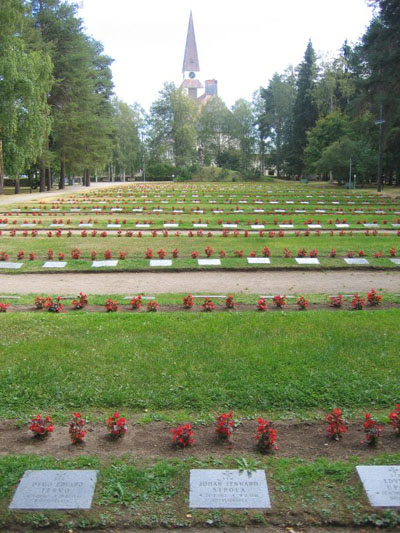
{"points": [[346, 282]]}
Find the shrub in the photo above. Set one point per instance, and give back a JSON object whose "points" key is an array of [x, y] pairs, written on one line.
{"points": [[111, 306], [266, 436], [117, 425], [41, 427], [336, 426], [358, 302], [302, 303], [394, 417], [372, 430], [136, 302], [76, 428], [80, 302], [208, 306], [188, 301], [229, 302], [337, 301], [182, 436], [373, 298], [152, 306], [225, 425]]}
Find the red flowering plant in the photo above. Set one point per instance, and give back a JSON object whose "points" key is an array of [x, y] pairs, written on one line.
{"points": [[149, 253], [161, 253], [261, 304], [266, 436], [152, 306], [238, 253], [208, 306], [136, 302], [266, 252], [394, 417], [302, 252], [61, 256], [229, 302], [392, 252], [41, 427], [336, 427], [117, 425], [80, 302], [332, 253], [279, 301], [20, 255], [175, 252], [337, 301], [373, 298], [225, 425], [107, 254], [182, 436], [40, 302], [358, 302], [50, 254], [111, 306], [195, 254], [76, 428], [3, 256], [372, 430], [302, 303], [93, 254], [208, 251], [122, 255], [54, 306], [188, 301], [76, 253], [4, 306], [222, 253], [287, 253]]}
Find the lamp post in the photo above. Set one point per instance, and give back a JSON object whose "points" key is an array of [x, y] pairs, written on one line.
{"points": [[380, 123]]}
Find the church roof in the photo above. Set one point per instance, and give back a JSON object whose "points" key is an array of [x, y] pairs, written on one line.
{"points": [[191, 60]]}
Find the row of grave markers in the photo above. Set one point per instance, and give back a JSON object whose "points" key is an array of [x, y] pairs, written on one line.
{"points": [[209, 488], [200, 226], [109, 263]]}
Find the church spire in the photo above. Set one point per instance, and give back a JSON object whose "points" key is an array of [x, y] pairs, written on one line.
{"points": [[190, 60]]}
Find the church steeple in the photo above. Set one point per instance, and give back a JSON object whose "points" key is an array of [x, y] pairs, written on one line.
{"points": [[190, 60], [191, 63]]}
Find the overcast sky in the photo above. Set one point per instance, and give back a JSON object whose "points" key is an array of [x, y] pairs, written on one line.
{"points": [[239, 43]]}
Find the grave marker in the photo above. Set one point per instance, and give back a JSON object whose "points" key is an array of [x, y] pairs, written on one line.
{"points": [[382, 484], [105, 263], [258, 260], [228, 489], [6, 264], [55, 489], [160, 262], [356, 261], [54, 264], [307, 261], [209, 262]]}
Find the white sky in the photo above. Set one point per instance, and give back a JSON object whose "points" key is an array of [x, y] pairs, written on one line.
{"points": [[241, 43]]}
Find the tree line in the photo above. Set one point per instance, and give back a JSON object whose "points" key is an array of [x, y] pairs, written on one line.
{"points": [[59, 117]]}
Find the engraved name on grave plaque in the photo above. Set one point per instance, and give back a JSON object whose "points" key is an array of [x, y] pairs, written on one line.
{"points": [[55, 489], [382, 484], [228, 489]]}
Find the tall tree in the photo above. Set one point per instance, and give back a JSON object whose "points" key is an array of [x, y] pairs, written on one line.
{"points": [[25, 79], [212, 128], [128, 120], [305, 110]]}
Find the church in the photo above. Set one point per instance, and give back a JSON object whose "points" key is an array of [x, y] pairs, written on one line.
{"points": [[191, 66]]}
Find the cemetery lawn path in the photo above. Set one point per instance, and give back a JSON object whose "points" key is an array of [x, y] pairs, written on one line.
{"points": [[330, 282]]}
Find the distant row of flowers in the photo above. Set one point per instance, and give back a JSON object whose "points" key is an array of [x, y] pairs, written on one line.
{"points": [[279, 301], [76, 253], [183, 435]]}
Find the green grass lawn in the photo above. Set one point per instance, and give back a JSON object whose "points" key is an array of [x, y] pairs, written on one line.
{"points": [[198, 362]]}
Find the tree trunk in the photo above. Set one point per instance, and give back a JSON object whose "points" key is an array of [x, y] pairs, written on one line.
{"points": [[48, 179], [42, 175], [17, 186], [1, 167], [61, 185], [87, 178]]}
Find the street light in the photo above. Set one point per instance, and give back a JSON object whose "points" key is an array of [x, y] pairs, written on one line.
{"points": [[380, 123]]}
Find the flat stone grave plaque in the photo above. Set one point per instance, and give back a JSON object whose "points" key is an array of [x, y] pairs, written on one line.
{"points": [[105, 263], [279, 211], [371, 225], [289, 202], [382, 484], [177, 211], [73, 209], [55, 489], [242, 201], [137, 210], [396, 225], [314, 226], [217, 212], [6, 264], [160, 262], [238, 211], [396, 261], [307, 261], [171, 225], [96, 209], [304, 202], [28, 225], [199, 225], [233, 226], [259, 211], [158, 210], [209, 262], [142, 225], [228, 489], [116, 209], [86, 225], [258, 260], [341, 226], [56, 225], [55, 209], [54, 264], [16, 210], [273, 202], [198, 212], [286, 226], [300, 211], [320, 211], [209, 296], [2, 226], [356, 261], [257, 226], [113, 225]]}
